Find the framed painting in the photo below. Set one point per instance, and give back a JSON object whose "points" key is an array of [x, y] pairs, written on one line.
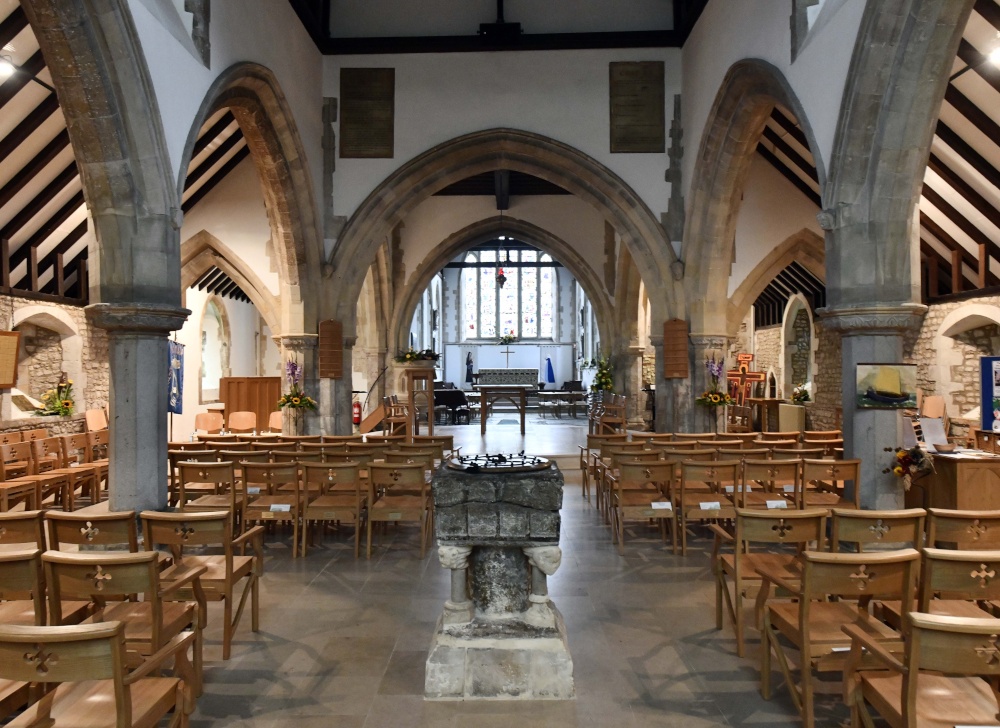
{"points": [[886, 386]]}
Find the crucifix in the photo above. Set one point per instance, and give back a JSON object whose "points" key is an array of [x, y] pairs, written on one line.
{"points": [[508, 352], [742, 377]]}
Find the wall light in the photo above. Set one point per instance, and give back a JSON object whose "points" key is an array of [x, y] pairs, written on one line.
{"points": [[6, 67]]}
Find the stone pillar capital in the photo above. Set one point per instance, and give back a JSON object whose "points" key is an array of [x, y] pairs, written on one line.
{"points": [[131, 318], [296, 342], [454, 557], [544, 558], [709, 341], [873, 319]]}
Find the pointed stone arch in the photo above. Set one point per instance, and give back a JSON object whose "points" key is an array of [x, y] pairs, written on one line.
{"points": [[748, 94], [254, 96], [479, 233], [804, 247], [515, 150], [203, 250]]}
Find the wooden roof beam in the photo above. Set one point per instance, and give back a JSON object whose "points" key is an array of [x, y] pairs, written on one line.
{"points": [[212, 159], [27, 127], [47, 228], [38, 203], [796, 181], [196, 196], [973, 158]]}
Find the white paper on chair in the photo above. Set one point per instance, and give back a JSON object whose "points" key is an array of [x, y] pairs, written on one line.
{"points": [[777, 504], [253, 491], [710, 506], [662, 505], [933, 429], [280, 507], [788, 488]]}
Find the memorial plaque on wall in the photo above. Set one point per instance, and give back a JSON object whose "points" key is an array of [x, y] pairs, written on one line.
{"points": [[636, 99], [367, 111], [10, 342], [331, 349], [675, 349]]}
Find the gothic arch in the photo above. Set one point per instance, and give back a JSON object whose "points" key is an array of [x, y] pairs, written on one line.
{"points": [[749, 92], [93, 52], [481, 232], [254, 96], [203, 250], [804, 247], [502, 149], [58, 320]]}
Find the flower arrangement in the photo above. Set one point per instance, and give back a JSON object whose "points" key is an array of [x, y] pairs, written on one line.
{"points": [[604, 376], [411, 354], [295, 398], [58, 401], [909, 464], [800, 394], [508, 338], [714, 396], [589, 364]]}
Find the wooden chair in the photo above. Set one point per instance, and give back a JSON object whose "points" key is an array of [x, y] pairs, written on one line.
{"points": [[822, 434], [756, 529], [77, 453], [342, 498], [978, 530], [792, 435], [95, 419], [208, 422], [739, 419], [225, 571], [612, 417], [394, 421], [777, 480], [323, 449], [697, 504], [221, 477], [276, 421], [17, 485], [717, 444], [110, 581], [947, 676], [273, 505], [813, 625], [22, 589], [299, 440], [824, 483], [242, 421], [643, 491], [387, 507], [875, 528], [174, 458], [47, 460], [344, 439], [589, 456], [92, 529], [605, 463], [23, 529], [829, 446], [98, 452], [86, 665]]}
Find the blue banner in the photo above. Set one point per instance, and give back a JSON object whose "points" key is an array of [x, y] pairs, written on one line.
{"points": [[175, 394]]}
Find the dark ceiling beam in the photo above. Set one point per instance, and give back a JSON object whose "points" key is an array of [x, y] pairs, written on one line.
{"points": [[975, 160], [58, 218], [807, 284], [12, 25], [793, 156], [213, 159], [928, 224], [19, 134], [209, 281], [51, 258], [961, 221], [990, 12], [976, 116], [27, 173], [790, 128], [501, 188], [38, 203], [979, 62], [797, 181], [220, 174], [229, 289], [212, 133], [952, 178], [13, 85]]}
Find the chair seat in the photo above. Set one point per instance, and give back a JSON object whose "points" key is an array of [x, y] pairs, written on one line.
{"points": [[214, 502], [18, 611], [138, 617], [386, 507], [785, 564], [213, 580], [826, 620], [335, 503], [92, 704], [942, 702]]}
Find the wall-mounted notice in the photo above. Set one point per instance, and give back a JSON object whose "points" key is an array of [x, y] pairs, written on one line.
{"points": [[367, 112], [989, 374]]}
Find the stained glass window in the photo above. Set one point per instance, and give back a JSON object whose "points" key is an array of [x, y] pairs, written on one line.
{"points": [[488, 296], [470, 298], [546, 298]]}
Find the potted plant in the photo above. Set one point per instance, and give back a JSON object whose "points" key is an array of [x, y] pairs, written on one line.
{"points": [[714, 396], [412, 357], [58, 402], [295, 401]]}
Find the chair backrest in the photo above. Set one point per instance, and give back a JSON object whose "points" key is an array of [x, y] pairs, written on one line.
{"points": [[830, 470], [594, 442], [932, 406], [7, 438], [269, 445], [793, 454], [756, 453], [638, 472], [863, 528], [242, 421], [827, 447], [683, 436], [971, 575], [437, 448], [679, 445], [696, 453], [92, 529], [979, 530], [956, 646], [21, 578], [23, 528], [781, 444], [209, 422], [100, 576], [15, 460], [285, 456], [333, 476], [275, 421], [220, 473], [719, 473], [265, 476], [39, 433], [299, 440], [182, 530], [883, 574], [95, 419], [99, 442], [797, 527], [253, 456], [47, 448], [401, 476], [202, 456], [822, 434], [789, 435], [344, 439], [421, 457], [652, 438], [75, 448], [772, 473], [734, 444]]}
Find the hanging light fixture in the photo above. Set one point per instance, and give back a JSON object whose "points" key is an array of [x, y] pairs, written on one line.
{"points": [[501, 278]]}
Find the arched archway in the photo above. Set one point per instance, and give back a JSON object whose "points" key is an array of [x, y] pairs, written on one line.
{"points": [[254, 96], [952, 350], [516, 151], [57, 320], [793, 357], [479, 233], [749, 92]]}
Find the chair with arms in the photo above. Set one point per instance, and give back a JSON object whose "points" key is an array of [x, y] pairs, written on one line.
{"points": [[179, 531], [221, 476], [48, 461], [77, 453], [701, 492]]}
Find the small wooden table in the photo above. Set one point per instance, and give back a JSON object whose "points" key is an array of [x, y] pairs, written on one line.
{"points": [[959, 481], [516, 394]]}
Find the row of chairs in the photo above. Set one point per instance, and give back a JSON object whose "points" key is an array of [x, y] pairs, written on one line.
{"points": [[919, 616], [53, 471], [606, 413]]}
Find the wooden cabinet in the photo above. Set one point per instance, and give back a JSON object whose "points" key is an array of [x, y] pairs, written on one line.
{"points": [[250, 394], [959, 482]]}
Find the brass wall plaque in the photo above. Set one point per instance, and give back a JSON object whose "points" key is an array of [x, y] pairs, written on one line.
{"points": [[367, 112], [636, 101]]}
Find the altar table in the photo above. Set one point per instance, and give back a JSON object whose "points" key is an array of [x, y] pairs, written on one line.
{"points": [[490, 394]]}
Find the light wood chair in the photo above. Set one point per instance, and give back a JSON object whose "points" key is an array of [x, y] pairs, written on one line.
{"points": [[698, 504], [876, 528], [208, 422], [792, 531], [22, 588], [98, 451], [828, 446], [688, 436], [225, 571], [77, 453], [387, 507], [279, 499], [276, 421], [824, 483], [87, 666], [95, 419], [342, 498], [978, 530], [7, 438], [48, 461], [17, 485], [110, 581], [589, 455], [607, 472], [947, 675], [92, 529], [822, 434], [221, 477], [813, 625], [792, 435], [174, 458], [242, 421], [643, 491], [774, 481]]}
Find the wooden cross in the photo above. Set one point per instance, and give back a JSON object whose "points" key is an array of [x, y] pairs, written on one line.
{"points": [[983, 575], [879, 529], [976, 529], [742, 378], [508, 352], [782, 528], [990, 652], [99, 576], [184, 531], [862, 577], [89, 531], [41, 659]]}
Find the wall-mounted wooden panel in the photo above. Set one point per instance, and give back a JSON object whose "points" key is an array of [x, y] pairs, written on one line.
{"points": [[331, 349], [675, 349], [250, 394]]}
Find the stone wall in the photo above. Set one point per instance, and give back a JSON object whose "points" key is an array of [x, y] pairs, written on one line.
{"points": [[823, 413], [55, 425], [767, 350], [803, 343], [40, 360]]}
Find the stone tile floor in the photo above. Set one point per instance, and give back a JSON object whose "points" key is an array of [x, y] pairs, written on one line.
{"points": [[343, 641]]}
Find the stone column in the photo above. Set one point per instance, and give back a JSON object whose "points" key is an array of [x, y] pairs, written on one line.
{"points": [[872, 334], [704, 346], [544, 561], [631, 360], [300, 348], [335, 397], [459, 608], [139, 362]]}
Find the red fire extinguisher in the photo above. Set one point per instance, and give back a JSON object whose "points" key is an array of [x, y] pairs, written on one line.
{"points": [[356, 407]]}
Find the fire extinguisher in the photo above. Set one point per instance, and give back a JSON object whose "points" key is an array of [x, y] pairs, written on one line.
{"points": [[356, 407]]}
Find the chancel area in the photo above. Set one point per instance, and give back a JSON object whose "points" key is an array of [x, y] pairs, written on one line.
{"points": [[565, 364]]}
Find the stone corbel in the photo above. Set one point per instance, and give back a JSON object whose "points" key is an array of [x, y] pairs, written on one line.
{"points": [[459, 608], [873, 319], [137, 318], [296, 342]]}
